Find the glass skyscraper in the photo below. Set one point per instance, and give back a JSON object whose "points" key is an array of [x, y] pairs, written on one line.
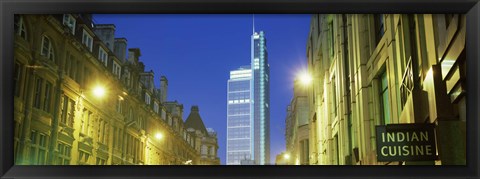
{"points": [[239, 123], [249, 97]]}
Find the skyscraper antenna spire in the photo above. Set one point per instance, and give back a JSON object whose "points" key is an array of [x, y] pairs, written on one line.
{"points": [[253, 24]]}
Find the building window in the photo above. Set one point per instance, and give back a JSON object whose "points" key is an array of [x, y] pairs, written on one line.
{"points": [[334, 96], [101, 161], [117, 69], [83, 157], [20, 27], [379, 27], [141, 123], [86, 75], [85, 125], [71, 67], [331, 39], [17, 77], [102, 131], [47, 97], [47, 48], [155, 107], [164, 115], [119, 104], [64, 152], [204, 150], [68, 110], [118, 138], [102, 56], [68, 65], [385, 103], [87, 40], [115, 137], [147, 98], [38, 148], [130, 114], [38, 93], [69, 21]]}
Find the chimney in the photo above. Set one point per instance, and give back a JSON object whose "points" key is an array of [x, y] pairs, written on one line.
{"points": [[120, 49], [163, 89], [194, 109], [180, 110], [133, 55], [106, 33]]}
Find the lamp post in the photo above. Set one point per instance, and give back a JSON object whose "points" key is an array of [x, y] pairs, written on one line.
{"points": [[286, 158], [305, 78], [99, 91], [159, 136]]}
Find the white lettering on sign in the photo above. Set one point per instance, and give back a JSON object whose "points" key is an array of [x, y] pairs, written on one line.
{"points": [[405, 136], [406, 150]]}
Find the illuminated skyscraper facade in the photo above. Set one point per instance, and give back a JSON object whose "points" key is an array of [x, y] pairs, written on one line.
{"points": [[248, 118], [261, 98], [239, 123]]}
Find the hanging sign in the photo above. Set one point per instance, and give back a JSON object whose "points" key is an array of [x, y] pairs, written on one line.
{"points": [[406, 142]]}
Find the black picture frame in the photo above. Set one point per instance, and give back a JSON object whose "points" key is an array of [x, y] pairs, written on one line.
{"points": [[10, 7]]}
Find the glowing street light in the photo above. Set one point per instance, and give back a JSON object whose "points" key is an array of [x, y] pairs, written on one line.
{"points": [[99, 91], [286, 156], [305, 78], [159, 136]]}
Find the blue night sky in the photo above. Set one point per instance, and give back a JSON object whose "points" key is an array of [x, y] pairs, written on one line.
{"points": [[197, 52]]}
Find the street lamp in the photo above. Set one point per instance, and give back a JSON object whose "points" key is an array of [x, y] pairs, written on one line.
{"points": [[305, 78], [286, 156], [159, 136], [99, 91]]}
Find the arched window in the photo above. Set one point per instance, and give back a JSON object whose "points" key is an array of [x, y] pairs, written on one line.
{"points": [[20, 28], [47, 48]]}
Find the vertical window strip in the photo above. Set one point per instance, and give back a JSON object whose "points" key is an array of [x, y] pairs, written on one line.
{"points": [[385, 98]]}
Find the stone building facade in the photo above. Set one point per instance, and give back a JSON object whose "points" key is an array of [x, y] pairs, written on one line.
{"points": [[83, 98], [206, 138], [297, 127], [377, 69]]}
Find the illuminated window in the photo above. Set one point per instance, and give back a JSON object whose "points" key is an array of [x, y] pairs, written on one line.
{"points": [[87, 40], [116, 69], [47, 48], [103, 56], [69, 21]]}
